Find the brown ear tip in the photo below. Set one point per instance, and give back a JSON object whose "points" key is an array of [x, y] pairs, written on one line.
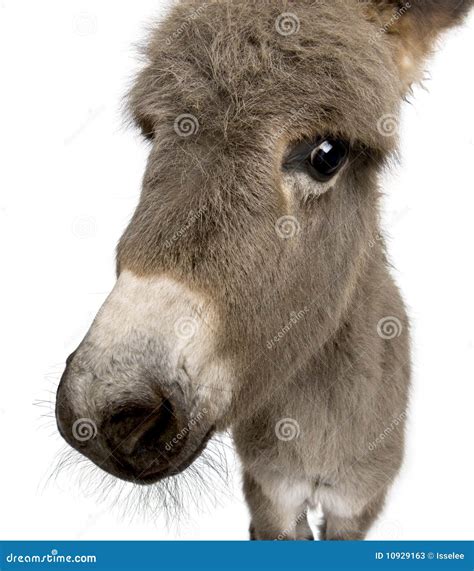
{"points": [[451, 11]]}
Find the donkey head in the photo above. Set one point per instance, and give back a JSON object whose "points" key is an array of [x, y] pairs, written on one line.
{"points": [[268, 122]]}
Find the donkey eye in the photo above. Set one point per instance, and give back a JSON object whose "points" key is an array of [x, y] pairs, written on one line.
{"points": [[327, 159]]}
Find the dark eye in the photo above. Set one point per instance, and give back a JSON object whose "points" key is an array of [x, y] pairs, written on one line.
{"points": [[327, 158]]}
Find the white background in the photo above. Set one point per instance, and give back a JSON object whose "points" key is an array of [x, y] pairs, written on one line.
{"points": [[69, 179]]}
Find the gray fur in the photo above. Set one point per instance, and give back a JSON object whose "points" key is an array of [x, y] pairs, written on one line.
{"points": [[333, 370]]}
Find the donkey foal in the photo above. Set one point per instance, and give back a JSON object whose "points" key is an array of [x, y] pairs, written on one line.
{"points": [[253, 291]]}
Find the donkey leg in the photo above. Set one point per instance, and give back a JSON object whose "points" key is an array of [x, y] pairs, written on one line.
{"points": [[276, 517], [303, 530], [337, 527]]}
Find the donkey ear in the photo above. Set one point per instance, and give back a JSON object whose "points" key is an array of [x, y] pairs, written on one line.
{"points": [[413, 26]]}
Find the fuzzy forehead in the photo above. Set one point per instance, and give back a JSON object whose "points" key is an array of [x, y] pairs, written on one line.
{"points": [[269, 66]]}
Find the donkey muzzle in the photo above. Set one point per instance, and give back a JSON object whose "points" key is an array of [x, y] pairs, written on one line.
{"points": [[135, 440]]}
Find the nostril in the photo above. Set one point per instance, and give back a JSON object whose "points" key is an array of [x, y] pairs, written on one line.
{"points": [[141, 430]]}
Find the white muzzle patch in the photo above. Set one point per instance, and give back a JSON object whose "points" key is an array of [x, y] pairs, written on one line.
{"points": [[153, 314]]}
